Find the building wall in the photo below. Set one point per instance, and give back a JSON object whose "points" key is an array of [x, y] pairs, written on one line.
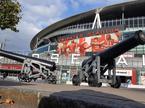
{"points": [[132, 59]]}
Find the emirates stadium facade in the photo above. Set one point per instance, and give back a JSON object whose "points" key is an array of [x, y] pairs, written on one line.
{"points": [[69, 41]]}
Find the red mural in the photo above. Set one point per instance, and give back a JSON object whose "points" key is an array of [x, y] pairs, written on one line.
{"points": [[88, 44]]}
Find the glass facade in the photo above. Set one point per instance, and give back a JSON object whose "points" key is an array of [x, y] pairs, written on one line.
{"points": [[42, 49]]}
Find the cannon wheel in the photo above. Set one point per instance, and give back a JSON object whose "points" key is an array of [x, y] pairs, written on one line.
{"points": [[23, 77], [76, 80], [52, 79], [93, 81], [117, 84]]}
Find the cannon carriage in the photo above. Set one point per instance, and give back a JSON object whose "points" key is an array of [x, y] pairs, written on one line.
{"points": [[93, 69], [32, 68]]}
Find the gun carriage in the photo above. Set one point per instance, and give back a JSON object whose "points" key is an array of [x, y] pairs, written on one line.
{"points": [[93, 69], [32, 67]]}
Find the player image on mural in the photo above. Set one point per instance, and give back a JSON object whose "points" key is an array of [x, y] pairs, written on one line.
{"points": [[72, 47], [83, 46], [62, 48], [97, 43], [93, 44]]}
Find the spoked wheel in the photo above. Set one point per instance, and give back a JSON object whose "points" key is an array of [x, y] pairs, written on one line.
{"points": [[28, 80], [24, 78], [52, 79], [117, 84], [76, 80], [93, 81], [99, 84]]}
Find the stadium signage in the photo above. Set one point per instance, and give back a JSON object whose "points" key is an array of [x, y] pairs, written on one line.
{"points": [[122, 72], [90, 33], [74, 58]]}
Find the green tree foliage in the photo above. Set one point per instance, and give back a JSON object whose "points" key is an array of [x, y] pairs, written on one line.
{"points": [[9, 14]]}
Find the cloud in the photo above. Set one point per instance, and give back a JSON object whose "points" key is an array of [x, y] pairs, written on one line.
{"points": [[45, 11], [95, 3], [92, 1], [74, 3]]}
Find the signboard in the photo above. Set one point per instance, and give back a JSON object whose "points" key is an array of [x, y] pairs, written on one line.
{"points": [[129, 55], [90, 41], [122, 72], [10, 67]]}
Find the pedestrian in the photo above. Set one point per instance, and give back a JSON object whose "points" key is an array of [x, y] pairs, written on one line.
{"points": [[5, 74], [128, 82]]}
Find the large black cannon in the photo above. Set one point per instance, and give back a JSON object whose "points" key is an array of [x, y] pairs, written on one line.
{"points": [[93, 68], [33, 67]]}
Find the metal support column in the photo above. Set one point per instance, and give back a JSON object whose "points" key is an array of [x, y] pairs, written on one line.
{"points": [[98, 68], [114, 72], [97, 19], [123, 23]]}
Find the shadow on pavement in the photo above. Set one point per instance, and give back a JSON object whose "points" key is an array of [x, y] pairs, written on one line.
{"points": [[12, 83], [87, 99]]}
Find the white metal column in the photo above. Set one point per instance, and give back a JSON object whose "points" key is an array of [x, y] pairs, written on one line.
{"points": [[97, 20]]}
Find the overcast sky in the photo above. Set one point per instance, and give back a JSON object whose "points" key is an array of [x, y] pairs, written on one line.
{"points": [[38, 14]]}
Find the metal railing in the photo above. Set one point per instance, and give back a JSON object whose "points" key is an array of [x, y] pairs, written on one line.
{"points": [[134, 22]]}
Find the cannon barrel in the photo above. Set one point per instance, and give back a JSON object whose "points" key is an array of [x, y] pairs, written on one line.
{"points": [[116, 50], [20, 58]]}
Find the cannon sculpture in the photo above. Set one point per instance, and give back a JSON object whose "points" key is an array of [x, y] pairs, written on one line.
{"points": [[93, 69], [32, 67]]}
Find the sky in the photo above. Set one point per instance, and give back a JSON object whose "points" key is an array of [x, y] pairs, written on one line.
{"points": [[38, 14]]}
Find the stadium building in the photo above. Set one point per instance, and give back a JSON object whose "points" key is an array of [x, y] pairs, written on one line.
{"points": [[69, 41]]}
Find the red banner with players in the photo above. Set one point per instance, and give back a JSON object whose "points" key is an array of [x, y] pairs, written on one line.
{"points": [[93, 44]]}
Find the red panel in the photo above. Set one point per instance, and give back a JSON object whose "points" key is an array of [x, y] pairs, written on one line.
{"points": [[10, 67], [134, 76]]}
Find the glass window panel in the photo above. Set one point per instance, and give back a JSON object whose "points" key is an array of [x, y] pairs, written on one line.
{"points": [[135, 22], [103, 24], [118, 22], [114, 22], [140, 22], [144, 22], [110, 23], [126, 23], [43, 49], [131, 22]]}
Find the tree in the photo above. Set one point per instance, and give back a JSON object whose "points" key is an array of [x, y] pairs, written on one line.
{"points": [[9, 14]]}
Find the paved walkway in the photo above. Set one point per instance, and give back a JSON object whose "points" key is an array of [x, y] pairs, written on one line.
{"points": [[78, 95]]}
